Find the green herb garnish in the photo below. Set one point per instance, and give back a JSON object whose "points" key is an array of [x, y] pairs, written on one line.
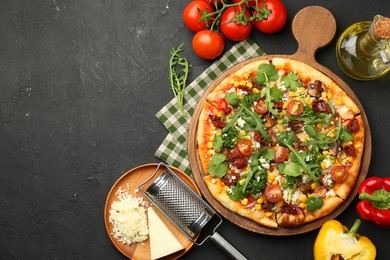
{"points": [[178, 72]]}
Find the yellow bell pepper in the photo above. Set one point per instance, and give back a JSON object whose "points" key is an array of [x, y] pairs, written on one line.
{"points": [[334, 241]]}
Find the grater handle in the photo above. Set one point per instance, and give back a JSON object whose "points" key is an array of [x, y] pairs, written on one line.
{"points": [[221, 242]]}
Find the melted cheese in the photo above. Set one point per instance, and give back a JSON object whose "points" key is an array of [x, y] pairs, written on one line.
{"points": [[162, 241]]}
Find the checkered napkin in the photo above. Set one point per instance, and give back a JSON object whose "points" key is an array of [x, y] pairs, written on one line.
{"points": [[173, 149]]}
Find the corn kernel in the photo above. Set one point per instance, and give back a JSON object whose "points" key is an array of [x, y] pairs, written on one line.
{"points": [[268, 214], [242, 82], [260, 200], [280, 203], [285, 105], [256, 91], [210, 145], [325, 99], [242, 133], [310, 102], [271, 176], [278, 121], [236, 83], [213, 128], [219, 133], [302, 205], [219, 114], [302, 89], [332, 134], [338, 102], [313, 185], [246, 75], [244, 201], [231, 81], [210, 152], [350, 159], [323, 165], [275, 182], [323, 94], [211, 138], [344, 161], [292, 93], [280, 128], [325, 153], [242, 181], [303, 198], [319, 125], [330, 95], [249, 84], [258, 207]]}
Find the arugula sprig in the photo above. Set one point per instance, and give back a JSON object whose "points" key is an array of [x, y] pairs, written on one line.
{"points": [[322, 140], [298, 164], [178, 72]]}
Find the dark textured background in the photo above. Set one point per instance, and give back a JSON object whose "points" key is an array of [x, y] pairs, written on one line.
{"points": [[80, 83]]}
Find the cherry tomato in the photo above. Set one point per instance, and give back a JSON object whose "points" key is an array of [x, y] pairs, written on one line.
{"points": [[339, 173], [191, 15], [295, 107], [273, 193], [281, 153], [208, 44], [276, 20], [244, 146], [260, 106], [231, 29]]}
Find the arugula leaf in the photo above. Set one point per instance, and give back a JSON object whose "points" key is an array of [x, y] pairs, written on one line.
{"points": [[218, 165], [310, 117], [314, 203], [291, 81], [288, 138], [257, 120]]}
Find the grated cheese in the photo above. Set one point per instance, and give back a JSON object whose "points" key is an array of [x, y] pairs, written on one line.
{"points": [[128, 217]]}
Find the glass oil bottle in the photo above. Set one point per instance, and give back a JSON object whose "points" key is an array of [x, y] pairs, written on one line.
{"points": [[363, 49]]}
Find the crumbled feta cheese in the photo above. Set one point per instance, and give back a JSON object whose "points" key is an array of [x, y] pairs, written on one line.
{"points": [[240, 122], [264, 163], [327, 162], [213, 180]]}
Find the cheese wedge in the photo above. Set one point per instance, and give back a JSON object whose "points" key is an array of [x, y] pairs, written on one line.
{"points": [[162, 241]]}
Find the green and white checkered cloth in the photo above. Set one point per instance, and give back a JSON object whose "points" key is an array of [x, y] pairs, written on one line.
{"points": [[173, 150]]}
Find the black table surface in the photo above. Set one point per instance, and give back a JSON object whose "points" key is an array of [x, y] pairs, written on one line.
{"points": [[80, 83]]}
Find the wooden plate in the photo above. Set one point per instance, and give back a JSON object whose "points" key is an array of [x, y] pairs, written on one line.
{"points": [[129, 182], [313, 28]]}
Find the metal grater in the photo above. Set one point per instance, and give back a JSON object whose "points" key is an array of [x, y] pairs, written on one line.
{"points": [[184, 207]]}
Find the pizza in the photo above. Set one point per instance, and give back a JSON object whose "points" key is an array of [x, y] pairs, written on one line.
{"points": [[279, 143]]}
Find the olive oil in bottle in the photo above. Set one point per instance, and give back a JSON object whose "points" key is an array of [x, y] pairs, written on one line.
{"points": [[363, 49]]}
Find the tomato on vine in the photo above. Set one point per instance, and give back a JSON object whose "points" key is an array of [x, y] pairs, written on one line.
{"points": [[208, 44], [235, 23], [276, 19], [193, 18]]}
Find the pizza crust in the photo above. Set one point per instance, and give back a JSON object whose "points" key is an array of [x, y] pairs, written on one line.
{"points": [[218, 190]]}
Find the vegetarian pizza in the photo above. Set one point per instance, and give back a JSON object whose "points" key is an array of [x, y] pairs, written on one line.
{"points": [[280, 143]]}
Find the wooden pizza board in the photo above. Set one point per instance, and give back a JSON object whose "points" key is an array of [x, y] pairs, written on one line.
{"points": [[313, 28]]}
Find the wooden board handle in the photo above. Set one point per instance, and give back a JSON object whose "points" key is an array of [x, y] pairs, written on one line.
{"points": [[313, 28]]}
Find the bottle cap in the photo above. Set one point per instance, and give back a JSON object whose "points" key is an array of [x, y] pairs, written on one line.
{"points": [[382, 28]]}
